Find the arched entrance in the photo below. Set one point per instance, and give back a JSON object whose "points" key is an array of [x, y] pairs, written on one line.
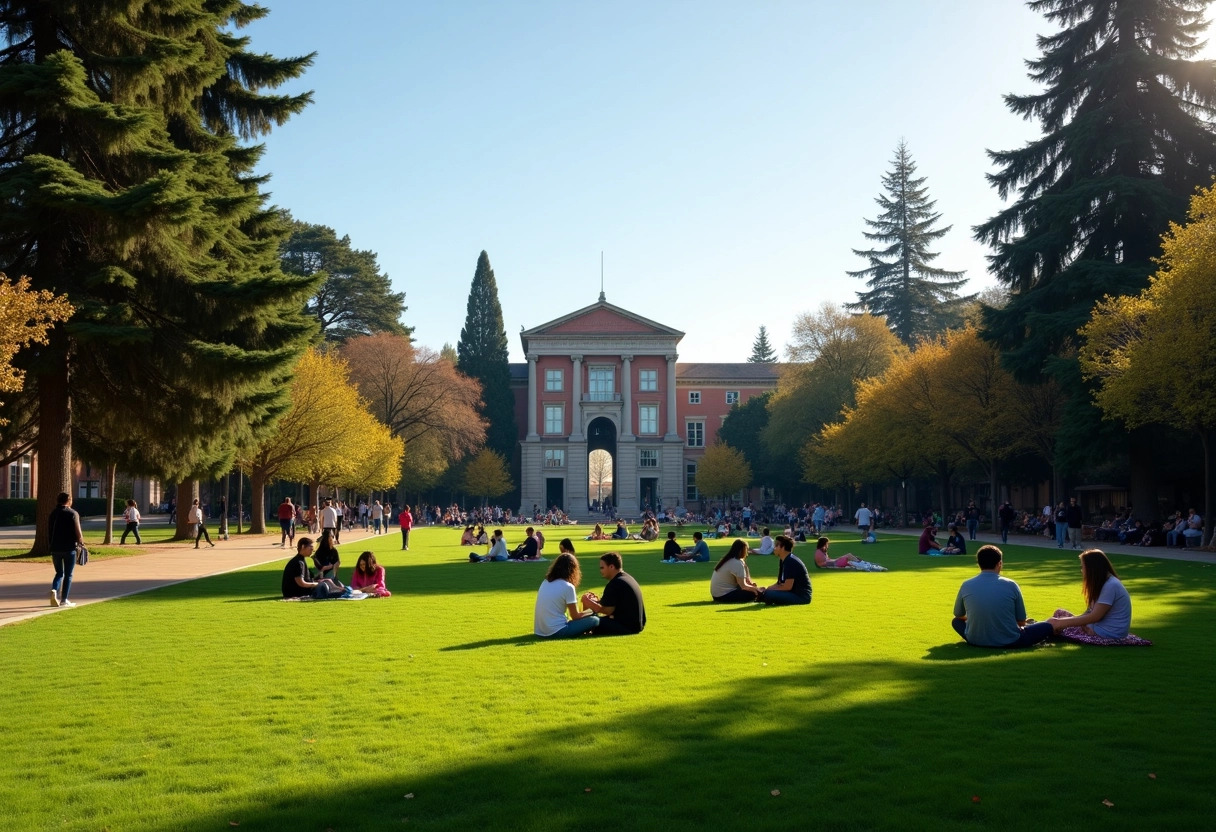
{"points": [[601, 436]]}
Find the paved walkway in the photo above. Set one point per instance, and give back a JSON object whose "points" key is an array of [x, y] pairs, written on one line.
{"points": [[25, 588]]}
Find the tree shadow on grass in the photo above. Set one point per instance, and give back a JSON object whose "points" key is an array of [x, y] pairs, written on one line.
{"points": [[253, 600], [961, 651], [693, 604], [519, 641]]}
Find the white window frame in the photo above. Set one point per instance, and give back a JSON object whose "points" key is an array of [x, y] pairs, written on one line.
{"points": [[554, 381], [19, 477], [555, 458], [648, 381], [688, 431], [648, 458], [694, 396], [732, 396], [690, 481], [594, 395], [654, 425], [561, 419]]}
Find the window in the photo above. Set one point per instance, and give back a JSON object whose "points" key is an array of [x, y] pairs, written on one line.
{"points": [[648, 459], [694, 396], [89, 488], [555, 421], [553, 381], [690, 482], [555, 458], [732, 396], [695, 431], [648, 418], [648, 380], [599, 385], [19, 478]]}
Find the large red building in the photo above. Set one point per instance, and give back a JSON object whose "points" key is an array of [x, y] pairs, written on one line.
{"points": [[605, 378]]}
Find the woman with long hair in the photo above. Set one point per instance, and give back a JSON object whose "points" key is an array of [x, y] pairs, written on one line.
{"points": [[731, 583], [325, 558], [369, 576], [558, 596], [598, 533], [1108, 606], [823, 560]]}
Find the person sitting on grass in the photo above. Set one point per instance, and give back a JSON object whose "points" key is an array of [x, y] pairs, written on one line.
{"points": [[731, 582], [297, 580], [793, 585], [529, 549], [671, 549], [598, 533], [989, 610], [824, 562], [699, 551], [956, 544], [1108, 606], [622, 532], [467, 538], [620, 608], [766, 543], [326, 558], [557, 597], [480, 538], [369, 576], [650, 530], [496, 552], [928, 544]]}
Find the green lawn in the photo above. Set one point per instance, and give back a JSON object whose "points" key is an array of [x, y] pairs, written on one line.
{"points": [[154, 529], [210, 704]]}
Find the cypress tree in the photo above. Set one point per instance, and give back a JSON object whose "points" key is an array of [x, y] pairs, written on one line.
{"points": [[905, 287], [123, 185], [1125, 112], [762, 350], [482, 355]]}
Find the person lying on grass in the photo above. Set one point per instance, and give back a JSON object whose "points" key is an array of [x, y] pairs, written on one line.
{"points": [[369, 576], [326, 558], [1108, 606], [556, 598], [297, 580], [793, 585], [620, 608], [731, 582], [850, 561], [989, 610]]}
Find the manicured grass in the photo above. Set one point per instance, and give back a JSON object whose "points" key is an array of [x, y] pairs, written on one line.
{"points": [[210, 703], [153, 530]]}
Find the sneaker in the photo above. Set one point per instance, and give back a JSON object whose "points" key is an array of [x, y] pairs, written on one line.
{"points": [[54, 598], [68, 604]]}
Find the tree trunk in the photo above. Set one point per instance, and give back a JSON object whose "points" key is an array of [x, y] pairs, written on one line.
{"points": [[240, 501], [257, 496], [54, 445], [187, 493], [993, 485], [111, 472], [1209, 499]]}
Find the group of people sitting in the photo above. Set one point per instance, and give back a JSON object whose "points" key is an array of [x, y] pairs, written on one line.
{"points": [[928, 544], [649, 531], [530, 549], [321, 581], [989, 610]]}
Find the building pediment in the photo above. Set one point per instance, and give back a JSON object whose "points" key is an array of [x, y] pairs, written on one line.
{"points": [[600, 321]]}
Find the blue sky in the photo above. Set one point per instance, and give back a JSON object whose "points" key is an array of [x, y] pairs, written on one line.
{"points": [[721, 155]]}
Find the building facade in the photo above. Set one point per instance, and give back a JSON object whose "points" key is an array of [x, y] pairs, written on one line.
{"points": [[605, 378]]}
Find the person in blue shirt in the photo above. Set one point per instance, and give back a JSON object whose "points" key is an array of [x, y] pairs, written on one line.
{"points": [[793, 581], [989, 610], [699, 551]]}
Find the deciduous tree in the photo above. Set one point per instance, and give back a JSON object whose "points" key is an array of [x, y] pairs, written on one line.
{"points": [[722, 471], [486, 475], [26, 315]]}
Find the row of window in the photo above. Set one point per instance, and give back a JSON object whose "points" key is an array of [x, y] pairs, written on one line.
{"points": [[648, 423], [600, 384]]}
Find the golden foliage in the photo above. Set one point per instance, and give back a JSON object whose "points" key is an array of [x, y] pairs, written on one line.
{"points": [[26, 316], [722, 471], [486, 475]]}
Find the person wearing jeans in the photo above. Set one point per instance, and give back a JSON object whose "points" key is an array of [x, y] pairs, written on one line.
{"points": [[131, 515], [1061, 525], [793, 585], [64, 528], [557, 597]]}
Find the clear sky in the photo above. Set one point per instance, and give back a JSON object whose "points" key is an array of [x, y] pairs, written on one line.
{"points": [[722, 155]]}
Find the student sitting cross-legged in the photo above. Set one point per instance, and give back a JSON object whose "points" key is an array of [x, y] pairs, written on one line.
{"points": [[620, 608], [989, 610], [731, 582], [556, 598], [793, 581]]}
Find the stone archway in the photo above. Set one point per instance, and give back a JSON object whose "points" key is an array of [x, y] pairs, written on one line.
{"points": [[601, 436]]}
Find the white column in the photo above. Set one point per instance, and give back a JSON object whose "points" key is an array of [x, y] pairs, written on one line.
{"points": [[626, 386], [576, 421], [672, 433], [532, 397]]}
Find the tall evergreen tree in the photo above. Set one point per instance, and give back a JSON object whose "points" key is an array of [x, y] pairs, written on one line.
{"points": [[1126, 115], [355, 298], [762, 350], [905, 287], [482, 355], [123, 185]]}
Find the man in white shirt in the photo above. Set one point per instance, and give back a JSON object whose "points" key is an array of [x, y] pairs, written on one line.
{"points": [[766, 543], [864, 519], [329, 519]]}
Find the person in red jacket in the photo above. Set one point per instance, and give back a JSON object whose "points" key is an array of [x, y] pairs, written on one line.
{"points": [[406, 521]]}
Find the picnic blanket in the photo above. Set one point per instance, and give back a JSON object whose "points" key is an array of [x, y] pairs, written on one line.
{"points": [[354, 596], [1078, 636]]}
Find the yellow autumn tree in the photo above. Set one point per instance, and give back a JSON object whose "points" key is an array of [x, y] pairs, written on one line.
{"points": [[26, 316], [1154, 354], [380, 467], [486, 475], [722, 471]]}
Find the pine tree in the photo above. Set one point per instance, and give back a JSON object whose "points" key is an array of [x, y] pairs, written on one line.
{"points": [[904, 285], [482, 354], [1126, 140], [355, 298], [762, 350], [124, 187]]}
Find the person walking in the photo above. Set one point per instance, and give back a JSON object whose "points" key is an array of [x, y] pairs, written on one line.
{"points": [[64, 535], [131, 515], [196, 516], [406, 521]]}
